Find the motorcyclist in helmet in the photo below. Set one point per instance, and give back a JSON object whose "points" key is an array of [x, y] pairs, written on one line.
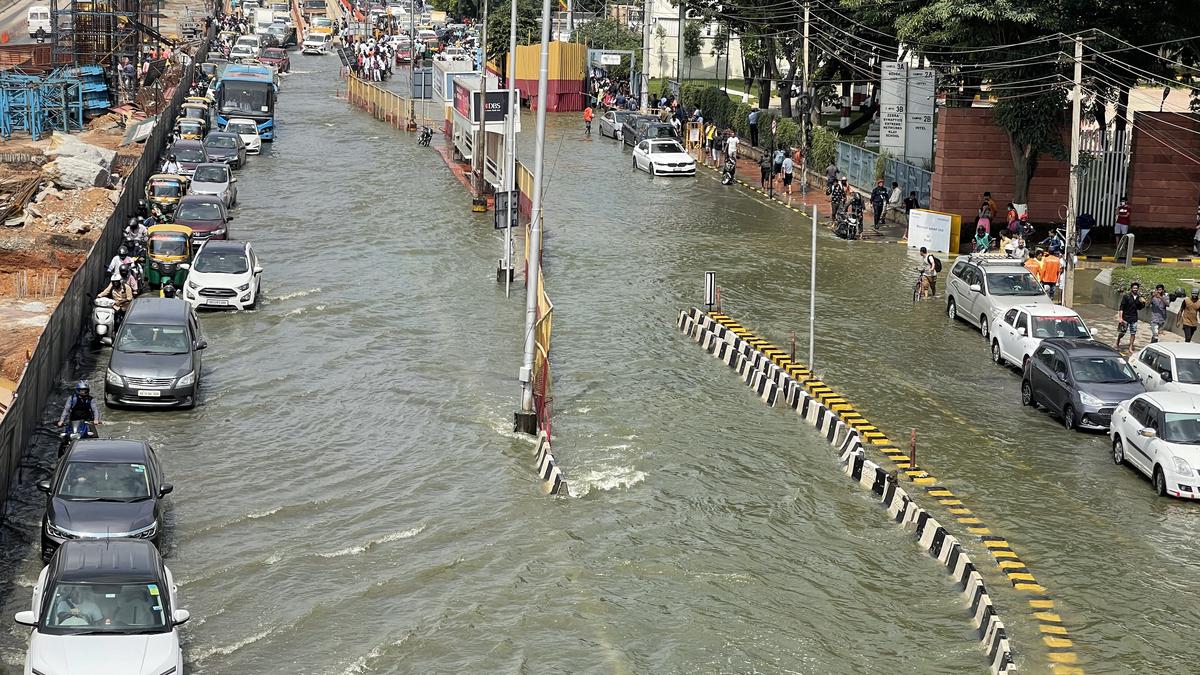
{"points": [[80, 406], [121, 294], [171, 166], [168, 289]]}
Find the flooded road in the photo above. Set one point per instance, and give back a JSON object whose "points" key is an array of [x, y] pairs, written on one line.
{"points": [[350, 499]]}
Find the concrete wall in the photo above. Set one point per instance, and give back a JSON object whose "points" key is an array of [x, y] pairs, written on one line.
{"points": [[1164, 174], [973, 156]]}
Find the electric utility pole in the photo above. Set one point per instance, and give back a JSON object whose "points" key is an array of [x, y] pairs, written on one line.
{"points": [[479, 149], [679, 51], [412, 63], [806, 115], [1068, 286], [646, 56]]}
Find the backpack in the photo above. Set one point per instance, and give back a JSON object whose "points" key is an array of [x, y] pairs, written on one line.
{"points": [[937, 264]]}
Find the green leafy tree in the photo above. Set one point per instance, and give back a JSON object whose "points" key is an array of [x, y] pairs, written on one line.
{"points": [[529, 22], [608, 33], [691, 42]]}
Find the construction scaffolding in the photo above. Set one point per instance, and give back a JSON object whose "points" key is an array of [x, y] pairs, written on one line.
{"points": [[87, 32], [60, 101]]}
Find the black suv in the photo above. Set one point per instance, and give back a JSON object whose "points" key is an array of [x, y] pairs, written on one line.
{"points": [[1082, 381], [104, 489]]}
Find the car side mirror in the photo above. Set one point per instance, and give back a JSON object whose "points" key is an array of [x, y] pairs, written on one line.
{"points": [[200, 344], [233, 180], [185, 266], [1166, 375], [178, 617], [1023, 330], [43, 485], [258, 270], [228, 218], [1147, 432], [976, 287], [26, 618], [165, 489]]}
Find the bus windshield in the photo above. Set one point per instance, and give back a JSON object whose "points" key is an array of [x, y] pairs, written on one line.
{"points": [[246, 97]]}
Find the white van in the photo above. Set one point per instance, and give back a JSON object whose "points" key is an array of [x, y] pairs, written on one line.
{"points": [[37, 17]]}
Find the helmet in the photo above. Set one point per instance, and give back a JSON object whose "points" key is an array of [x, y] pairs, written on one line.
{"points": [[168, 289], [124, 270], [123, 252], [82, 387]]}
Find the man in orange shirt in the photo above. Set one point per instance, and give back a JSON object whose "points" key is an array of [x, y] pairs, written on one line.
{"points": [[1050, 270], [587, 121], [1034, 264]]}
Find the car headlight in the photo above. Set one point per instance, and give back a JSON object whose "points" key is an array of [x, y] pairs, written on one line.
{"points": [[1087, 399], [187, 380], [56, 532], [193, 285], [113, 378], [147, 532], [1182, 467], [219, 230], [244, 287]]}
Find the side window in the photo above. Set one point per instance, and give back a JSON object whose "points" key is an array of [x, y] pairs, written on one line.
{"points": [[1153, 417], [643, 146], [1148, 359], [1060, 365], [1164, 364], [958, 268], [1046, 356], [1023, 322], [1010, 316], [1137, 410]]}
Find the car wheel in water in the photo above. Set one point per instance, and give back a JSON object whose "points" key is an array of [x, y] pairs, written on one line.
{"points": [[1069, 418], [1027, 393], [951, 309], [652, 171], [997, 357], [1118, 451], [1160, 482], [983, 325]]}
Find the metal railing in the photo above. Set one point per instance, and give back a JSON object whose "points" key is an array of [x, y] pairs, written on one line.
{"points": [[388, 106], [859, 166]]}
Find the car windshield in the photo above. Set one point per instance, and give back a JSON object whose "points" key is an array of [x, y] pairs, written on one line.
{"points": [[244, 129], [165, 188], [211, 174], [663, 148], [80, 608], [1189, 370], [192, 154], [1102, 370], [1181, 428], [149, 339], [104, 481], [1013, 283], [198, 211], [223, 142], [222, 262], [1059, 327], [173, 244]]}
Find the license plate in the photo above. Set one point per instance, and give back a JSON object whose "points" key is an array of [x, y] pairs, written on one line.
{"points": [[218, 303], [149, 393]]}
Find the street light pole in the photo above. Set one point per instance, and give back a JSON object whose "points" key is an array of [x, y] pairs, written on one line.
{"points": [[1073, 180], [804, 121], [412, 65], [645, 56], [510, 142], [479, 200]]}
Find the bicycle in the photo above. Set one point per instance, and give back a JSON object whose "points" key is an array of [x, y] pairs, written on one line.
{"points": [[921, 288], [1083, 238]]}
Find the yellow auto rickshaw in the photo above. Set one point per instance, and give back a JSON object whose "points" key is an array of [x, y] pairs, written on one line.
{"points": [[164, 190], [191, 129], [198, 100], [169, 249], [195, 107]]}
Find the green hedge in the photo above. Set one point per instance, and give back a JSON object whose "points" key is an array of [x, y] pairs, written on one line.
{"points": [[1150, 275], [714, 103], [824, 148]]}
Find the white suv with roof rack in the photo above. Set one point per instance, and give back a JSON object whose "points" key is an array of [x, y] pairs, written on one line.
{"points": [[980, 288]]}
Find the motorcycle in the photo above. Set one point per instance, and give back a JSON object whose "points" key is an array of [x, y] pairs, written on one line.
{"points": [[727, 172], [104, 320], [426, 137], [849, 226], [74, 431]]}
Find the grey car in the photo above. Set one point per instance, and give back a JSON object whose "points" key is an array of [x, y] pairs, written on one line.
{"points": [[155, 360], [225, 146], [611, 122], [216, 180], [981, 288], [1082, 381], [632, 128]]}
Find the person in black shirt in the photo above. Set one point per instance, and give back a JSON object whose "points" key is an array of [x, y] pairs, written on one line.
{"points": [[1127, 315], [878, 198]]}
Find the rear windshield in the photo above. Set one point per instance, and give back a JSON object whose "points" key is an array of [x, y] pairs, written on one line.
{"points": [[211, 174], [192, 154], [1059, 327], [221, 142]]}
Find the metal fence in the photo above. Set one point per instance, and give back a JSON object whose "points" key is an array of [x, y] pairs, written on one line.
{"points": [[1103, 174], [42, 373], [859, 166], [391, 107]]}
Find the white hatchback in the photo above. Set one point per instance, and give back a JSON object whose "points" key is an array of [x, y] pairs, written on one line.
{"points": [[1159, 434], [663, 156], [224, 274], [1019, 331], [248, 130], [1169, 366]]}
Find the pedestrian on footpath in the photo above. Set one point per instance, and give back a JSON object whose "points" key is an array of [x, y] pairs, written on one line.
{"points": [[1122, 225], [1050, 270], [1127, 315], [894, 201], [789, 169], [731, 146], [1189, 314], [878, 199], [931, 270], [831, 173], [910, 202], [1014, 221], [710, 139], [752, 119], [777, 160], [764, 168], [1158, 311], [991, 203]]}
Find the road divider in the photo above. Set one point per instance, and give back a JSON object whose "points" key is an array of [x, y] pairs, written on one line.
{"points": [[551, 476], [775, 378]]}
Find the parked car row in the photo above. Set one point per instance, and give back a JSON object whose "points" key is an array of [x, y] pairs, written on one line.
{"points": [[655, 144], [1148, 404], [106, 601]]}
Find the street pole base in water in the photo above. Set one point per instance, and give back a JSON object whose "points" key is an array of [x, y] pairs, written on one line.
{"points": [[525, 422], [479, 204], [512, 273]]}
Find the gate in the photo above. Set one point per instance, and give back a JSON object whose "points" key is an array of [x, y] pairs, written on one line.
{"points": [[1103, 174]]}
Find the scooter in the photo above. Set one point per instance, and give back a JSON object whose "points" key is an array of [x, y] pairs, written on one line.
{"points": [[104, 320], [74, 431], [426, 137], [727, 172]]}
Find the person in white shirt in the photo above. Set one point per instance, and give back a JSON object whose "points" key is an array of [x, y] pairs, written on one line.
{"points": [[731, 145]]}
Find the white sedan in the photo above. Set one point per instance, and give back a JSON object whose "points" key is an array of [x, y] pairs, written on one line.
{"points": [[1159, 434], [663, 156], [1019, 331], [1169, 366], [224, 274], [248, 130]]}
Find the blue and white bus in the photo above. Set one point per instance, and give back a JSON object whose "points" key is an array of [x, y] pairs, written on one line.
{"points": [[247, 91]]}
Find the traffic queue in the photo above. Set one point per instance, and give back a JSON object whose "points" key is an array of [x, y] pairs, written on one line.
{"points": [[105, 595], [1147, 400]]}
